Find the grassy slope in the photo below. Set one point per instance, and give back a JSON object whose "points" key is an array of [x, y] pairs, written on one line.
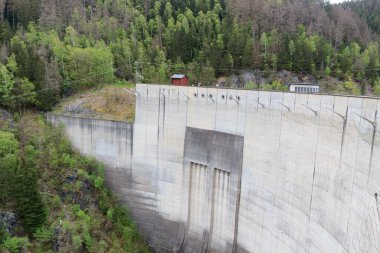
{"points": [[110, 102]]}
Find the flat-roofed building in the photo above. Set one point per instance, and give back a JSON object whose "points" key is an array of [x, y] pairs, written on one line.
{"points": [[304, 88]]}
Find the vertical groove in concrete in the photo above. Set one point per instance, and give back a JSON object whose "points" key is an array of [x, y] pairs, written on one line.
{"points": [[372, 146], [343, 134], [314, 171], [237, 212], [353, 173], [214, 186]]}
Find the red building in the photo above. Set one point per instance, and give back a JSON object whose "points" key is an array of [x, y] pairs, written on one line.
{"points": [[180, 80]]}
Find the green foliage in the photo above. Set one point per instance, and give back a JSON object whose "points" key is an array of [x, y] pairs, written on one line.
{"points": [[67, 51], [351, 87], [86, 216], [7, 83], [327, 71], [16, 244], [25, 94], [15, 92], [9, 152], [30, 207], [44, 234], [102, 246], [275, 85], [3, 234], [95, 63], [110, 214], [251, 85], [376, 87], [99, 182], [77, 242], [18, 182]]}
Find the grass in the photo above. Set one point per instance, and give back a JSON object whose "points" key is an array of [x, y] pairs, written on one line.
{"points": [[108, 101], [124, 84]]}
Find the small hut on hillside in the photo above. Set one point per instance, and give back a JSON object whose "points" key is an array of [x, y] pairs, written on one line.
{"points": [[180, 80]]}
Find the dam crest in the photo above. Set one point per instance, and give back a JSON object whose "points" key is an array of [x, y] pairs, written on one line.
{"points": [[223, 170]]}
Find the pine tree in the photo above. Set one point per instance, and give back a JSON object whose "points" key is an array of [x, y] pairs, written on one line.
{"points": [[29, 207]]}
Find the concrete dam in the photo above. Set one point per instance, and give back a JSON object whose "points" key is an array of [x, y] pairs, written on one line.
{"points": [[222, 170]]}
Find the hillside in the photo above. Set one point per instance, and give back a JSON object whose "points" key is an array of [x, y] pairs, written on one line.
{"points": [[54, 200], [110, 102], [52, 49], [368, 10]]}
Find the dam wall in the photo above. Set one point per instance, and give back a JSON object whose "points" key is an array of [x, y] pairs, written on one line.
{"points": [[220, 170], [108, 141]]}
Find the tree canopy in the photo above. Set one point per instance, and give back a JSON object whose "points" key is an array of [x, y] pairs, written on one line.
{"points": [[62, 46]]}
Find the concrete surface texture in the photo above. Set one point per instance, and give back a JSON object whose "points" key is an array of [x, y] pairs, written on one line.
{"points": [[217, 170]]}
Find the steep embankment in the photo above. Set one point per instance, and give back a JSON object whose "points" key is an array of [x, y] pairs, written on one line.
{"points": [[54, 200], [111, 102]]}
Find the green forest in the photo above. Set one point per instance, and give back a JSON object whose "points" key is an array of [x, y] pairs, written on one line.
{"points": [[50, 49]]}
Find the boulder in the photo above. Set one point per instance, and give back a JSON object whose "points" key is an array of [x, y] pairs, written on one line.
{"points": [[8, 222]]}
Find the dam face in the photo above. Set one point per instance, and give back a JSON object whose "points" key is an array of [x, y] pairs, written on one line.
{"points": [[215, 170]]}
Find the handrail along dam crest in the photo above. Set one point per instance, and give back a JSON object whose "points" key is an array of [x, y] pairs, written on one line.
{"points": [[223, 170]]}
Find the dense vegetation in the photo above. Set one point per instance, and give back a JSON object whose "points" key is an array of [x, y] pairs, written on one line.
{"points": [[56, 47], [58, 196], [369, 10]]}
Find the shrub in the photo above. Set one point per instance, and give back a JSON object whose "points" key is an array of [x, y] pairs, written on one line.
{"points": [[77, 242], [3, 234], [16, 244], [110, 213], [277, 85], [351, 87], [88, 240], [251, 85], [44, 234], [376, 87], [82, 173], [102, 246], [56, 202], [266, 87], [327, 71], [99, 182]]}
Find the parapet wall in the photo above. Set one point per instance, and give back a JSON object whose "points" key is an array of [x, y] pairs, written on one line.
{"points": [[216, 170]]}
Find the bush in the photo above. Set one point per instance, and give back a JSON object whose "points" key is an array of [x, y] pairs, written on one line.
{"points": [[277, 85], [110, 213], [376, 87], [56, 202], [102, 246], [88, 240], [77, 242], [251, 85], [3, 234], [99, 182], [267, 87], [44, 234], [16, 244], [351, 87]]}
